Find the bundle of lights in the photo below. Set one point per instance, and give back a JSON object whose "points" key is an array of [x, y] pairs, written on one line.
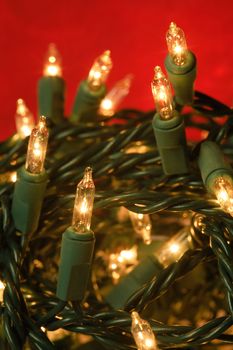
{"points": [[117, 230]]}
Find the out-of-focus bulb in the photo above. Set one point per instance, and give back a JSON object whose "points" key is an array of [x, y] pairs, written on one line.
{"points": [[142, 333], [99, 71], [174, 248], [24, 119], [176, 44], [119, 262], [52, 64], [83, 205], [2, 287], [142, 225], [37, 147], [115, 96], [223, 190], [162, 94]]}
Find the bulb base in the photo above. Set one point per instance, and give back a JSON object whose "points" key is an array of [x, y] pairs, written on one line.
{"points": [[75, 264], [212, 164], [86, 102], [27, 200], [51, 95], [147, 269], [182, 78], [171, 143]]}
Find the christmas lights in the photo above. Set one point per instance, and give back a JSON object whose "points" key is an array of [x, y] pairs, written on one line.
{"points": [[217, 175], [180, 64], [142, 333], [115, 96], [91, 91], [51, 87], [77, 244], [31, 182], [149, 267], [24, 119], [168, 127]]}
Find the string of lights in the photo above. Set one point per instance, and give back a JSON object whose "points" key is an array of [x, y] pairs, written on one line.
{"points": [[116, 228]]}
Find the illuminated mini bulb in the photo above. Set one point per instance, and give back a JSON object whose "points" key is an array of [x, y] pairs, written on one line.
{"points": [[162, 94], [142, 226], [176, 44], [142, 333], [115, 96], [2, 287], [24, 119], [37, 147], [99, 71], [52, 65], [83, 205], [118, 262], [174, 248], [223, 190]]}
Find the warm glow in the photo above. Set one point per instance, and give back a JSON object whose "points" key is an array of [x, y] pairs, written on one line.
{"points": [[173, 249], [2, 288], [161, 91], [119, 262], [142, 333], [142, 226], [83, 205], [176, 44], [52, 65], [13, 177], [37, 148], [115, 96], [223, 189], [99, 71], [24, 119]]}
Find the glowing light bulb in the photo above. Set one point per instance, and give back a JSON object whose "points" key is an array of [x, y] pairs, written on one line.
{"points": [[176, 44], [2, 287], [83, 205], [118, 263], [24, 119], [52, 65], [142, 226], [142, 333], [223, 190], [161, 91], [115, 96], [37, 147], [99, 71], [174, 248]]}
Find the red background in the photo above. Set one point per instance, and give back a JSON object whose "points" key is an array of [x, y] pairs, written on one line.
{"points": [[133, 30]]}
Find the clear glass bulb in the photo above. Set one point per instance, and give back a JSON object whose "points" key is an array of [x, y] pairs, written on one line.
{"points": [[52, 64], [2, 288], [223, 190], [37, 147], [142, 333], [83, 205], [99, 71], [142, 225], [176, 44], [24, 119], [174, 248], [115, 96], [162, 94]]}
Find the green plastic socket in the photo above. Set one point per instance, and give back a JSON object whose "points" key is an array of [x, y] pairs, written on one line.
{"points": [[86, 102], [147, 269], [51, 97], [212, 164], [182, 78], [27, 200], [75, 264], [171, 143]]}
